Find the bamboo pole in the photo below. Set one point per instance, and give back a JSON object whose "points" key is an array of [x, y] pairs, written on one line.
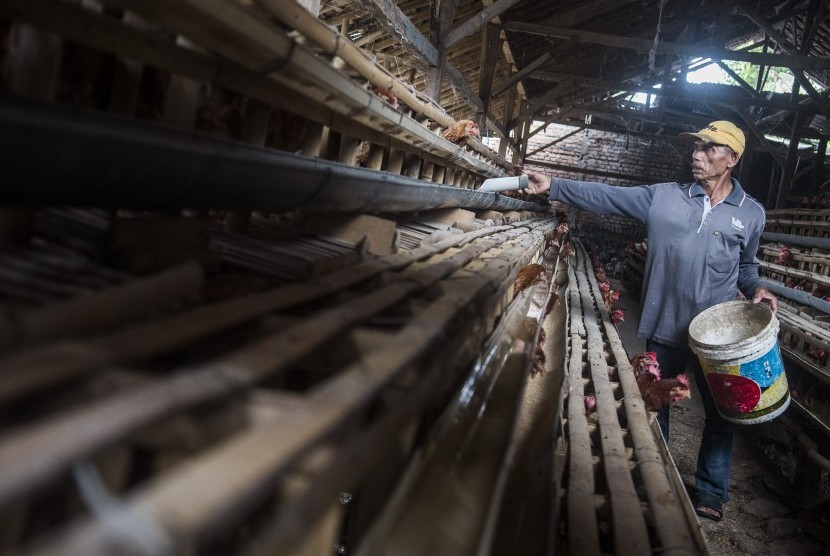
{"points": [[336, 44], [99, 311]]}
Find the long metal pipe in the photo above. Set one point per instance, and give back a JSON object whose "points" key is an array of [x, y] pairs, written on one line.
{"points": [[800, 241], [56, 155]]}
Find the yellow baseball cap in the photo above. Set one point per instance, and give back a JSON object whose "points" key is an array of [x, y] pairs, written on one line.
{"points": [[720, 132]]}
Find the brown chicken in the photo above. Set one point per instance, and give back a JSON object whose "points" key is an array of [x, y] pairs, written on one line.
{"points": [[566, 252], [645, 363], [527, 276], [784, 256], [387, 95], [553, 301], [461, 131], [660, 393], [657, 392], [539, 357]]}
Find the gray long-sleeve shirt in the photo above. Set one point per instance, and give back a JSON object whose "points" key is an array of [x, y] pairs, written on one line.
{"points": [[698, 256]]}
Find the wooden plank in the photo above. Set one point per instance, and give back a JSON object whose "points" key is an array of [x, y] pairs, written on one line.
{"points": [[25, 370], [189, 511], [673, 528], [62, 440], [788, 271], [583, 531], [378, 233], [104, 309], [630, 531]]}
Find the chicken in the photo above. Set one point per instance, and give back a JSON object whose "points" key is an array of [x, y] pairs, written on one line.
{"points": [[539, 357], [528, 276], [657, 392], [590, 402], [387, 95], [818, 354], [566, 252], [784, 256], [617, 316], [660, 393], [461, 131], [645, 364], [553, 301]]}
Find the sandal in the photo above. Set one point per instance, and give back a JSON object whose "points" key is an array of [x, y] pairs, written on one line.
{"points": [[708, 512]]}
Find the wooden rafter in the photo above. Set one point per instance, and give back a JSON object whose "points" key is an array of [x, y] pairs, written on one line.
{"points": [[800, 62], [815, 18], [478, 21], [490, 47], [395, 22], [589, 82], [583, 11]]}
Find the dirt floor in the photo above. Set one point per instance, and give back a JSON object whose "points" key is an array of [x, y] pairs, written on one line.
{"points": [[768, 514]]}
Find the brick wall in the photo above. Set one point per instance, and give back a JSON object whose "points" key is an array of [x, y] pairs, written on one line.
{"points": [[606, 157]]}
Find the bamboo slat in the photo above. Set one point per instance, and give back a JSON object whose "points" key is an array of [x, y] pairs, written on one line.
{"points": [[122, 415], [634, 508], [583, 532], [190, 502], [24, 371], [107, 308], [630, 533], [675, 534]]}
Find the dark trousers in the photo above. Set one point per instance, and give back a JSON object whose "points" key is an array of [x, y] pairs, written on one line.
{"points": [[715, 456]]}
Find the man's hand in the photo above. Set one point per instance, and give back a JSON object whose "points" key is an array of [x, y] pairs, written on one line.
{"points": [[537, 182], [763, 294]]}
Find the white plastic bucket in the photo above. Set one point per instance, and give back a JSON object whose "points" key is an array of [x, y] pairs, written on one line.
{"points": [[737, 345]]}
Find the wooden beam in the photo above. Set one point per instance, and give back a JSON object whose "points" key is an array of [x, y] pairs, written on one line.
{"points": [[537, 103], [555, 141], [391, 18], [490, 47], [524, 72], [815, 95], [440, 18], [644, 45], [739, 100], [762, 24], [609, 129], [759, 135], [584, 11], [478, 21], [788, 170], [509, 104], [818, 11], [738, 79]]}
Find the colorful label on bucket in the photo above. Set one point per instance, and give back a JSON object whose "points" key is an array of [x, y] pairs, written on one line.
{"points": [[749, 392]]}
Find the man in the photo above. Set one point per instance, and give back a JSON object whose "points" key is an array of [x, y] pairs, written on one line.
{"points": [[703, 238]]}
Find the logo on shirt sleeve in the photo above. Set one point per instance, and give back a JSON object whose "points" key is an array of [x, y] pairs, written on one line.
{"points": [[737, 224]]}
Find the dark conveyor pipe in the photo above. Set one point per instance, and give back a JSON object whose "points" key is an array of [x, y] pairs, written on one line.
{"points": [[58, 155], [800, 241]]}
